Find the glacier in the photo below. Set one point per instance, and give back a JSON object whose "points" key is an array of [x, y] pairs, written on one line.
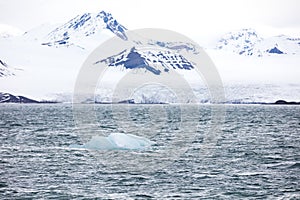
{"points": [[116, 141]]}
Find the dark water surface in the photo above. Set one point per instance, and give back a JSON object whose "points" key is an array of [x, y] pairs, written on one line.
{"points": [[257, 155]]}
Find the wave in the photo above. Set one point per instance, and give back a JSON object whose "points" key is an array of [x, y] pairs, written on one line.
{"points": [[294, 166]]}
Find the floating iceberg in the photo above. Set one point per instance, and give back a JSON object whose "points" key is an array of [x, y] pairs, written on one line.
{"points": [[116, 141]]}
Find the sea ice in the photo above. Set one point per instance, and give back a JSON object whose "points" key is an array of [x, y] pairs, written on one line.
{"points": [[116, 141]]}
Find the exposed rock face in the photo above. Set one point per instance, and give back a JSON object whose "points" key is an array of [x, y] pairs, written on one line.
{"points": [[9, 98], [283, 102]]}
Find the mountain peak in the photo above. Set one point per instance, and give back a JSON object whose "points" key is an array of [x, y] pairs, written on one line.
{"points": [[151, 60], [84, 25], [247, 42], [241, 41]]}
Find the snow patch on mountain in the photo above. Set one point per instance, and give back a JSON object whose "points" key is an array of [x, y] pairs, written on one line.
{"points": [[7, 31]]}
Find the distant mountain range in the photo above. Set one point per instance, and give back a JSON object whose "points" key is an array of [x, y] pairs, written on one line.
{"points": [[85, 32], [248, 42], [50, 56]]}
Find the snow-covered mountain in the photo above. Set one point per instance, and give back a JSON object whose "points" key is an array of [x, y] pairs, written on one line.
{"points": [[9, 98], [49, 61], [152, 60], [248, 42], [83, 26]]}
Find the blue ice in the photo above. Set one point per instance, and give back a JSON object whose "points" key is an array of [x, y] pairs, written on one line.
{"points": [[116, 141]]}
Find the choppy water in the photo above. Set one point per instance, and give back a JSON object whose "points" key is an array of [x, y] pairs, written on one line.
{"points": [[257, 155]]}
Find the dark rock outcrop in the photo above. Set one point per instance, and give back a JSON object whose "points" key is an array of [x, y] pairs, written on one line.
{"points": [[9, 98], [283, 102], [275, 50]]}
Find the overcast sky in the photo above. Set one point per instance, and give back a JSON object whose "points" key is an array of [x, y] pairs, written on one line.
{"points": [[194, 18]]}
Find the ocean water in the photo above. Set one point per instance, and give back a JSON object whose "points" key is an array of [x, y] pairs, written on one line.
{"points": [[256, 155]]}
